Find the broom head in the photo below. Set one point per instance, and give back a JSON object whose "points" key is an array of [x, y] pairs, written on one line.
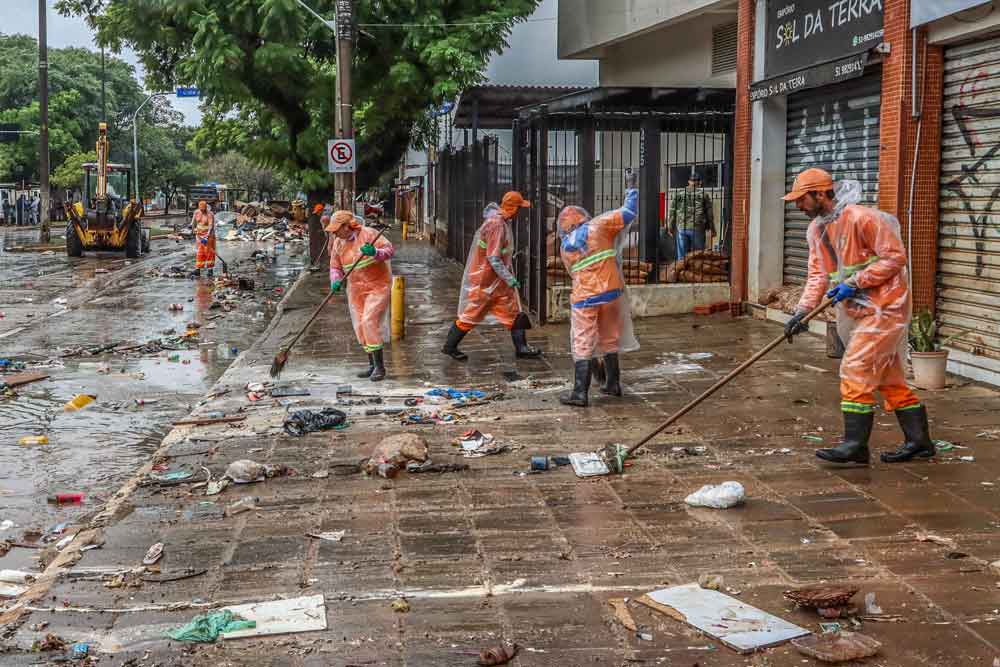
{"points": [[279, 362]]}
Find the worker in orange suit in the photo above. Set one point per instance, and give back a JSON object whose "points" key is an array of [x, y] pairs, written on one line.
{"points": [[203, 225], [369, 287], [489, 287], [600, 320], [860, 252]]}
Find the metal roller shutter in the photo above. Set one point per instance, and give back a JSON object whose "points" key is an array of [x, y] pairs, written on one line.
{"points": [[968, 278], [835, 128]]}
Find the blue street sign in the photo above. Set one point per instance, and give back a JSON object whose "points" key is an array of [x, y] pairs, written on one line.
{"points": [[188, 91]]}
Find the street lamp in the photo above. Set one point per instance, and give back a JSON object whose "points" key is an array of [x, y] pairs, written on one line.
{"points": [[135, 143]]}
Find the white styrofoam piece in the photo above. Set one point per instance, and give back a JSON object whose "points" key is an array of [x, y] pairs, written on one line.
{"points": [[11, 590], [588, 464], [737, 625], [278, 617]]}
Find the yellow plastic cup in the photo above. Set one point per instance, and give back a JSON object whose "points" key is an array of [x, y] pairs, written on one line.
{"points": [[79, 402]]}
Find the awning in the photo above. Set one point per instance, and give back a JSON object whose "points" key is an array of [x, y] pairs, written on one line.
{"points": [[496, 106], [824, 74], [925, 11]]}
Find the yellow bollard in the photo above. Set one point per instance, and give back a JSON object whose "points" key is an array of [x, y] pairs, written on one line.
{"points": [[398, 326], [406, 231]]}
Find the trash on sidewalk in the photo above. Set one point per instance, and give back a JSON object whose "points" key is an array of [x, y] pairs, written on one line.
{"points": [[430, 466], [50, 643], [16, 577], [79, 651], [711, 582], [277, 617], [246, 471], [208, 627], [176, 307], [588, 464], [6, 524], [498, 655], [455, 394], [34, 440], [476, 445], [11, 590], [936, 539], [154, 554], [624, 616], [256, 391], [394, 452], [837, 646], [14, 381], [172, 477], [216, 486], [737, 625], [301, 422], [68, 498], [244, 504], [79, 402], [871, 608], [721, 496], [828, 601], [289, 390], [401, 606], [329, 536]]}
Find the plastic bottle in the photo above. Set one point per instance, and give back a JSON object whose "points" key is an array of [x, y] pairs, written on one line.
{"points": [[244, 504], [67, 498], [34, 440]]}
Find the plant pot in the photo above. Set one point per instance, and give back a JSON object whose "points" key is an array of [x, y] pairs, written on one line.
{"points": [[929, 369]]}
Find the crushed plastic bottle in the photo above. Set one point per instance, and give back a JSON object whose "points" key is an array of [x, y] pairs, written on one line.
{"points": [[34, 440], [67, 498], [79, 402]]}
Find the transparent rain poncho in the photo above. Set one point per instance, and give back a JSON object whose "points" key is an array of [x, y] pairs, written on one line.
{"points": [[591, 251], [487, 296], [369, 287], [864, 245]]}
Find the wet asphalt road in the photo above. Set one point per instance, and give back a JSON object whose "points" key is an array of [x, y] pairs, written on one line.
{"points": [[50, 303]]}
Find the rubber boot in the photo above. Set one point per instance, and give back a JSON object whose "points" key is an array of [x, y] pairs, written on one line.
{"points": [[455, 336], [581, 385], [612, 384], [521, 348], [371, 367], [378, 373], [211, 272], [196, 274], [917, 433], [854, 448]]}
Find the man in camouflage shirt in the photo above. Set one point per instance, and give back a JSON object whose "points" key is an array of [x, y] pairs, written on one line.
{"points": [[691, 217]]}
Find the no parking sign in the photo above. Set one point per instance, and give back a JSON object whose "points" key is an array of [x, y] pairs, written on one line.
{"points": [[340, 157]]}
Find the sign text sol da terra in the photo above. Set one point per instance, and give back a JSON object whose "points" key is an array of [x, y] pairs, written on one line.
{"points": [[836, 15]]}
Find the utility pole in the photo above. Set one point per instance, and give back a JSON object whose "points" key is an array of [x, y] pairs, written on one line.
{"points": [[345, 108], [43, 135], [104, 98]]}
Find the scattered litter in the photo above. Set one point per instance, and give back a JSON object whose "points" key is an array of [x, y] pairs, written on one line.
{"points": [[712, 582], [970, 459], [34, 440], [832, 626], [511, 376], [286, 391], [476, 445], [737, 625], [154, 554], [246, 471], [944, 445], [588, 464], [624, 616], [400, 605], [208, 627], [837, 647], [50, 643], [172, 477], [394, 452], [301, 422], [936, 539], [79, 402], [176, 307], [16, 577], [190, 573], [79, 651], [828, 601], [14, 381], [455, 394], [70, 498], [871, 608], [812, 438], [244, 504], [645, 636], [216, 486], [956, 555], [11, 590], [498, 655], [722, 496], [430, 466], [321, 474], [329, 536], [6, 524], [256, 391]]}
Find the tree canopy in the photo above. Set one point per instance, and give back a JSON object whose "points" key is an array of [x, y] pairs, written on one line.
{"points": [[267, 69]]}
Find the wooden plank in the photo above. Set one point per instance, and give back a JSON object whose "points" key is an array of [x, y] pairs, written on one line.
{"points": [[24, 378]]}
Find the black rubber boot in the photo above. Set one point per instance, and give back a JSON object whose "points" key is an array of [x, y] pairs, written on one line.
{"points": [[521, 348], [196, 274], [917, 433], [371, 367], [378, 373], [581, 385], [854, 448], [612, 385], [211, 272], [455, 336]]}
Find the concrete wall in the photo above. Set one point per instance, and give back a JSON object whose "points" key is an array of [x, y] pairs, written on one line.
{"points": [[680, 55], [587, 26], [651, 300]]}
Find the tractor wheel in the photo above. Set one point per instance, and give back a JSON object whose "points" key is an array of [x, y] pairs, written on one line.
{"points": [[133, 242], [74, 246]]}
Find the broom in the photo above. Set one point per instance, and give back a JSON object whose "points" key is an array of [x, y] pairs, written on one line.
{"points": [[281, 358], [615, 455]]}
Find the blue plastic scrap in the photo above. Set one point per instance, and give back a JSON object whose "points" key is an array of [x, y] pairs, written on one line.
{"points": [[455, 394]]}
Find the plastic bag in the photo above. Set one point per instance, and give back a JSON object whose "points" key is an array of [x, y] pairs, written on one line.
{"points": [[301, 422], [720, 497], [208, 627]]}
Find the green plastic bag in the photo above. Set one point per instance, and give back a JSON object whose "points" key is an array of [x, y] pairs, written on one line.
{"points": [[208, 627]]}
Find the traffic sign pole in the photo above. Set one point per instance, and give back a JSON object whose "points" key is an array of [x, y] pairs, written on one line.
{"points": [[345, 109]]}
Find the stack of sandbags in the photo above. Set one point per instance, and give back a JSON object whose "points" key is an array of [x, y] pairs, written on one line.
{"points": [[787, 298], [636, 272], [700, 266]]}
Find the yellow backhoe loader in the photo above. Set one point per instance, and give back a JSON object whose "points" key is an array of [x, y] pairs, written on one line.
{"points": [[106, 219]]}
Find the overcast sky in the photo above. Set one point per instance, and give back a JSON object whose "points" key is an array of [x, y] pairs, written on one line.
{"points": [[21, 17]]}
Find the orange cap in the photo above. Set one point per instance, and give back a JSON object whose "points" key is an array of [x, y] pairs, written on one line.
{"points": [[810, 180], [341, 218], [511, 202], [202, 204], [317, 209]]}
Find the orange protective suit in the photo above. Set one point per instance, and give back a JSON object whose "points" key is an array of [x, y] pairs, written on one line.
{"points": [[864, 245], [369, 287], [203, 224], [487, 291], [600, 318]]}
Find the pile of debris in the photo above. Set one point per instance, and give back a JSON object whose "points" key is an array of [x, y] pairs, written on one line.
{"points": [[700, 266], [787, 298]]}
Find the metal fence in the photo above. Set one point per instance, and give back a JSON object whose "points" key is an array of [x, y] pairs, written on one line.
{"points": [[559, 159]]}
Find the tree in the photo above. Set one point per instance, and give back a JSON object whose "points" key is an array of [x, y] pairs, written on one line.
{"points": [[165, 161], [69, 175], [267, 69], [238, 172]]}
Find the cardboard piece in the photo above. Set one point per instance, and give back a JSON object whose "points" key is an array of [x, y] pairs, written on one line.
{"points": [[277, 617], [23, 378], [737, 625]]}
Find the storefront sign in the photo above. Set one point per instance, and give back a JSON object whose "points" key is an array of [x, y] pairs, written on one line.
{"points": [[813, 77], [804, 33]]}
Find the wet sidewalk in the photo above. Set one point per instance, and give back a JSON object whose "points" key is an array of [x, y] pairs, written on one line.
{"points": [[492, 554]]}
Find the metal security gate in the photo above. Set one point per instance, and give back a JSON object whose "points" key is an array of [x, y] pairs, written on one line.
{"points": [[968, 277], [835, 128]]}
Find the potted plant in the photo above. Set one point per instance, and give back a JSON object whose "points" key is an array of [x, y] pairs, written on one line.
{"points": [[929, 361]]}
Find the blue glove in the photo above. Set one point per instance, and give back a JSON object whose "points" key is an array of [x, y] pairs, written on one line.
{"points": [[368, 250], [203, 241], [336, 285], [842, 291]]}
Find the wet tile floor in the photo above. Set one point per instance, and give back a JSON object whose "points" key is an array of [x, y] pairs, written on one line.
{"points": [[492, 554]]}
